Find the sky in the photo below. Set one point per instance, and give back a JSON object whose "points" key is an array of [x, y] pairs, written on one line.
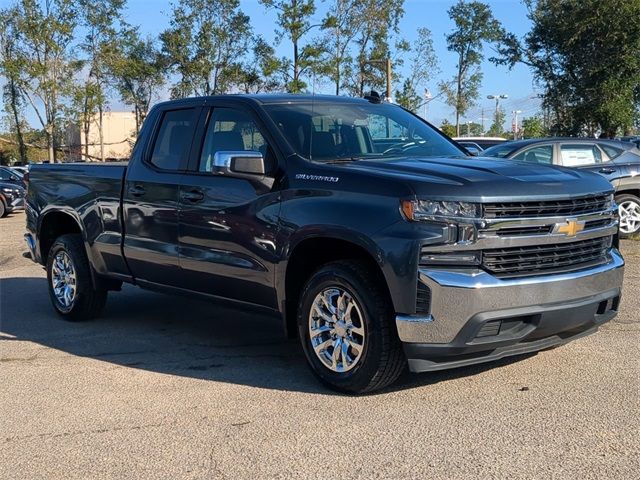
{"points": [[153, 17]]}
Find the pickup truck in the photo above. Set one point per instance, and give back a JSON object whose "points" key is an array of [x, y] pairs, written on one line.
{"points": [[376, 240]]}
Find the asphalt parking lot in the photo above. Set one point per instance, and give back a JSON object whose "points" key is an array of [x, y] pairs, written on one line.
{"points": [[168, 387]]}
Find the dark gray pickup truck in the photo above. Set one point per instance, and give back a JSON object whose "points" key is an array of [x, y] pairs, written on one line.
{"points": [[375, 238]]}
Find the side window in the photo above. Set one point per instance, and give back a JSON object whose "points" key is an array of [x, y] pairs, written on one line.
{"points": [[581, 154], [611, 151], [542, 154], [231, 130], [384, 128], [4, 174], [173, 139]]}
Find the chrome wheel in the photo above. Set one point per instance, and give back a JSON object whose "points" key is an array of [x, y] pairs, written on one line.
{"points": [[629, 212], [336, 329], [63, 279]]}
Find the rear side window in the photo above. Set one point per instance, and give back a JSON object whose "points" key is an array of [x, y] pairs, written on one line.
{"points": [[173, 139], [613, 152], [542, 154], [581, 154]]}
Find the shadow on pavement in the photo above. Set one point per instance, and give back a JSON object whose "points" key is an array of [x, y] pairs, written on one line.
{"points": [[177, 336]]}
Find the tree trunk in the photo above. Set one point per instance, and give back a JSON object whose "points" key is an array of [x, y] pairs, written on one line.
{"points": [[22, 148], [101, 131]]}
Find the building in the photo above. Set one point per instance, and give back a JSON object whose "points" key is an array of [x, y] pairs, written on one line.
{"points": [[119, 130]]}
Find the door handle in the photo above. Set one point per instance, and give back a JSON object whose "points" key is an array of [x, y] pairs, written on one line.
{"points": [[137, 191], [607, 170], [193, 196]]}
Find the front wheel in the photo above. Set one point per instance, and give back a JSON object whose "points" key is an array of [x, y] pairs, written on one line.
{"points": [[347, 328], [69, 277], [629, 211]]}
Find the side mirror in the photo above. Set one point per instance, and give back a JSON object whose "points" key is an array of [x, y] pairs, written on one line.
{"points": [[473, 151], [239, 164]]}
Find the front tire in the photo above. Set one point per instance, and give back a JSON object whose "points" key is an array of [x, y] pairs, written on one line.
{"points": [[629, 212], [69, 279], [3, 208], [346, 324]]}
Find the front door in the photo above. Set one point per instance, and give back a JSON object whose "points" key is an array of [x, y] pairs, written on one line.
{"points": [[228, 226]]}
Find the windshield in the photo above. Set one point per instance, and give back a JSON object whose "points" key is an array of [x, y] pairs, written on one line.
{"points": [[350, 131], [500, 151]]}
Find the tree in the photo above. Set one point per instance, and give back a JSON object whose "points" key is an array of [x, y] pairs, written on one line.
{"points": [[497, 127], [204, 45], [475, 25], [379, 19], [294, 20], [424, 65], [99, 19], [589, 66], [12, 67], [533, 127], [262, 72], [45, 34], [137, 72], [448, 129]]}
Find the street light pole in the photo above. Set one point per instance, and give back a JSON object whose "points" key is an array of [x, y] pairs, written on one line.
{"points": [[497, 98]]}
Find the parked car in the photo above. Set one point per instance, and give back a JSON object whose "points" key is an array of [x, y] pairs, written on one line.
{"points": [[353, 220], [482, 142], [11, 197], [8, 175], [618, 162], [20, 170], [635, 139]]}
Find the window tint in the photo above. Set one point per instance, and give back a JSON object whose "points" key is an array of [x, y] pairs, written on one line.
{"points": [[542, 154], [4, 174], [612, 151], [230, 130], [348, 130], [174, 137], [576, 155]]}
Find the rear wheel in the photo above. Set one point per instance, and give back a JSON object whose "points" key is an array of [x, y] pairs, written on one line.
{"points": [[347, 328], [69, 278], [629, 211]]}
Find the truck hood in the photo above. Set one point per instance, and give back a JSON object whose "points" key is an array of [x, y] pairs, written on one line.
{"points": [[485, 179]]}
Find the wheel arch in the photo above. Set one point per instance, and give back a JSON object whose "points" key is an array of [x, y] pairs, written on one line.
{"points": [[308, 253]]}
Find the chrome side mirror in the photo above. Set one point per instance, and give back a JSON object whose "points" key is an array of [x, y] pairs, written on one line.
{"points": [[238, 164]]}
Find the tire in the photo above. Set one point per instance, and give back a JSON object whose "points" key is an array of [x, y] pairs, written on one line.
{"points": [[373, 334], [3, 208], [84, 301], [629, 211]]}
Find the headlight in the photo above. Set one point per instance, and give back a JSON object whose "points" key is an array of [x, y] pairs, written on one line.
{"points": [[10, 190], [417, 210]]}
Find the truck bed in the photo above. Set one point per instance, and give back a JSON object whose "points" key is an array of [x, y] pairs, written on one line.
{"points": [[91, 193]]}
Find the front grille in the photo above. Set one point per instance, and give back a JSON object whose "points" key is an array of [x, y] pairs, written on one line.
{"points": [[578, 206], [541, 259], [524, 231]]}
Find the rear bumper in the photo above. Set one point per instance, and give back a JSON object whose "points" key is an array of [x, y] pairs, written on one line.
{"points": [[476, 317]]}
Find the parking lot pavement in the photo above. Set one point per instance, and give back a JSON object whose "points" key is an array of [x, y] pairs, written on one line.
{"points": [[167, 387]]}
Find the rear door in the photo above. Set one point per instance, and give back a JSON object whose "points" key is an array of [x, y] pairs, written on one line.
{"points": [[151, 197], [228, 225]]}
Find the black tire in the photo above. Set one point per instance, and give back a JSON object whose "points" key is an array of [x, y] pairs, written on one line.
{"points": [[3, 208], [88, 302], [382, 359], [627, 198]]}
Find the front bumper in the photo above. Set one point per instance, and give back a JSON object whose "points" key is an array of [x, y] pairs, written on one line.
{"points": [[476, 317]]}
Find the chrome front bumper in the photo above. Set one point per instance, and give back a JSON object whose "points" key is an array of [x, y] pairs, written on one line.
{"points": [[459, 297]]}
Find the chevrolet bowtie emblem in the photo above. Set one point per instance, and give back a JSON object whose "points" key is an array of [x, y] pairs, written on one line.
{"points": [[571, 228]]}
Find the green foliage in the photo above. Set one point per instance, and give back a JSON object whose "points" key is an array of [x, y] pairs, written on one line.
{"points": [[138, 71], [475, 25], [424, 64], [294, 22], [533, 127], [448, 129], [496, 129], [205, 44], [586, 55]]}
